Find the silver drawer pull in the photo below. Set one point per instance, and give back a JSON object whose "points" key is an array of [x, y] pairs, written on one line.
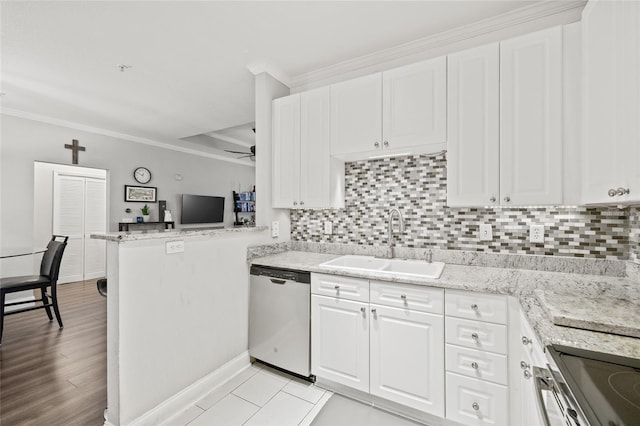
{"points": [[526, 374], [474, 307], [474, 365], [373, 311], [474, 336], [524, 365], [403, 296], [612, 192], [337, 287], [363, 310], [475, 406], [525, 340]]}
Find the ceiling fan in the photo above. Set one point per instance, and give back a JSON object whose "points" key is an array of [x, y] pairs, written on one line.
{"points": [[251, 154]]}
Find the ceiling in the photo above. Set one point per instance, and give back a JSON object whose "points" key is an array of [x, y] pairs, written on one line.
{"points": [[190, 60]]}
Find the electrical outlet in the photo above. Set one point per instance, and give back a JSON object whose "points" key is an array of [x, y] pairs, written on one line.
{"points": [[328, 228], [536, 234], [173, 247], [275, 229], [486, 232]]}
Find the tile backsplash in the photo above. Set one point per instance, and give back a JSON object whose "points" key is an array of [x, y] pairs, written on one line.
{"points": [[417, 186]]}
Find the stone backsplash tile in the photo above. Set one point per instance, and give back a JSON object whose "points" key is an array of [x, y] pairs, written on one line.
{"points": [[417, 186]]}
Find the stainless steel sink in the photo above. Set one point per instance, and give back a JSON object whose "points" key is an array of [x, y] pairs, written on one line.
{"points": [[385, 267]]}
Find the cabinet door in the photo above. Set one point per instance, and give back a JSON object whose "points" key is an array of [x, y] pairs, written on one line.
{"points": [[473, 174], [531, 119], [414, 105], [68, 219], [611, 99], [95, 222], [356, 116], [340, 341], [314, 148], [286, 152], [407, 358]]}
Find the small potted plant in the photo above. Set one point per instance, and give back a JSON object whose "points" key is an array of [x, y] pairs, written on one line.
{"points": [[145, 213]]}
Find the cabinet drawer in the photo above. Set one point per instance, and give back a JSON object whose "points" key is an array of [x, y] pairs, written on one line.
{"points": [[341, 287], [476, 402], [476, 306], [477, 364], [476, 335], [416, 298]]}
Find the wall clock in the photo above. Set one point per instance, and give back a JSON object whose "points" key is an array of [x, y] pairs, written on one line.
{"points": [[142, 175]]}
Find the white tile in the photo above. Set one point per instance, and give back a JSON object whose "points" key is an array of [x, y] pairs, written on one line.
{"points": [[184, 417], [229, 411], [284, 376], [261, 387], [316, 409], [282, 410], [304, 390], [226, 388]]}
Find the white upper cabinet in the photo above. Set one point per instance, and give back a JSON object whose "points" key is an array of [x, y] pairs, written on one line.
{"points": [[414, 103], [356, 116], [304, 174], [473, 173], [505, 133], [531, 118], [400, 111], [611, 93]]}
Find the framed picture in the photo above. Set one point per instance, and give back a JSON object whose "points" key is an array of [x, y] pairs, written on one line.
{"points": [[140, 194]]}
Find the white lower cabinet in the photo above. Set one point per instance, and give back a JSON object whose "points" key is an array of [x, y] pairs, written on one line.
{"points": [[392, 352], [340, 341], [476, 402], [407, 363]]}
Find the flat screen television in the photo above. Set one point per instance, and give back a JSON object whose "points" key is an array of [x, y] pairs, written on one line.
{"points": [[202, 209]]}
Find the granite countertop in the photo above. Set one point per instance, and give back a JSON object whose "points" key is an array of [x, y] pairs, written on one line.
{"points": [[519, 283], [171, 233]]}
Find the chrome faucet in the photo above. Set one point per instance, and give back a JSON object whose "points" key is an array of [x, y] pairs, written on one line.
{"points": [[390, 236]]}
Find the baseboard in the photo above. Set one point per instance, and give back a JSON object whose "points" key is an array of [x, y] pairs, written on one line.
{"points": [[162, 413]]}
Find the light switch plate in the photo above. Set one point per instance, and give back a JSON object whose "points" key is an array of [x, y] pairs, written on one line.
{"points": [[173, 247], [328, 228], [275, 229], [536, 234], [486, 232]]}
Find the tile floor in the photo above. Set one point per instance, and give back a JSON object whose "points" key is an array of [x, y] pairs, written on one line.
{"points": [[260, 396]]}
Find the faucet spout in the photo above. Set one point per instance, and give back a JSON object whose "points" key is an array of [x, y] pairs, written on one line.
{"points": [[393, 211]]}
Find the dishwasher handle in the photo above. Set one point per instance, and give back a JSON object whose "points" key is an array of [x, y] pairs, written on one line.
{"points": [[275, 281]]}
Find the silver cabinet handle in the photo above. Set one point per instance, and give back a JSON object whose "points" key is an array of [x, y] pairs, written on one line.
{"points": [[526, 374], [507, 199], [475, 406], [525, 340], [474, 307], [492, 199], [622, 191], [337, 288], [376, 144], [612, 192], [474, 365], [403, 296], [474, 336], [363, 310], [524, 365], [373, 311], [295, 203], [302, 203], [386, 143]]}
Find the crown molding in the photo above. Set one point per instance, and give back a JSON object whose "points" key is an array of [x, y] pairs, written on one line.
{"points": [[567, 11], [82, 127], [269, 68]]}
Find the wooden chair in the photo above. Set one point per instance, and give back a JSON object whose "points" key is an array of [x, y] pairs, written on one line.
{"points": [[49, 269]]}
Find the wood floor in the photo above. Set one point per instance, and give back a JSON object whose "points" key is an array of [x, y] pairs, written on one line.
{"points": [[51, 376]]}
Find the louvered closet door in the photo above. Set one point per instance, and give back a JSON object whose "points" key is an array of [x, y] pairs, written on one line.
{"points": [[95, 221], [68, 220]]}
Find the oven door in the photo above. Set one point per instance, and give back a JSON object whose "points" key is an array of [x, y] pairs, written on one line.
{"points": [[550, 400]]}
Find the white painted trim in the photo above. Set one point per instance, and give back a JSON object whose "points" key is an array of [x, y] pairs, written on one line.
{"points": [[82, 127], [416, 50], [269, 68], [162, 413]]}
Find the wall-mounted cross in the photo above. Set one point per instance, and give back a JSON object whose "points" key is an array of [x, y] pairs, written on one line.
{"points": [[74, 147]]}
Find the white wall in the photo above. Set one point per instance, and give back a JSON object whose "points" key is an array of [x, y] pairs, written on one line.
{"points": [[24, 141], [267, 89]]}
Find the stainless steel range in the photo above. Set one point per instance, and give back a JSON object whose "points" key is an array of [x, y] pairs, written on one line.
{"points": [[589, 388]]}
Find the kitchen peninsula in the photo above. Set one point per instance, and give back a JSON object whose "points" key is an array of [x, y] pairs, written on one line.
{"points": [[177, 304]]}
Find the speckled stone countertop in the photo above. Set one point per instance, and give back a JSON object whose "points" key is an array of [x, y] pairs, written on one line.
{"points": [[519, 283], [171, 233]]}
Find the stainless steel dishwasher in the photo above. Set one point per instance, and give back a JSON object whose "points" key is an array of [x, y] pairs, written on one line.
{"points": [[279, 318]]}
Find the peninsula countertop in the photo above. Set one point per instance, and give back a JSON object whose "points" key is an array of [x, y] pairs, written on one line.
{"points": [[173, 233], [519, 283]]}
